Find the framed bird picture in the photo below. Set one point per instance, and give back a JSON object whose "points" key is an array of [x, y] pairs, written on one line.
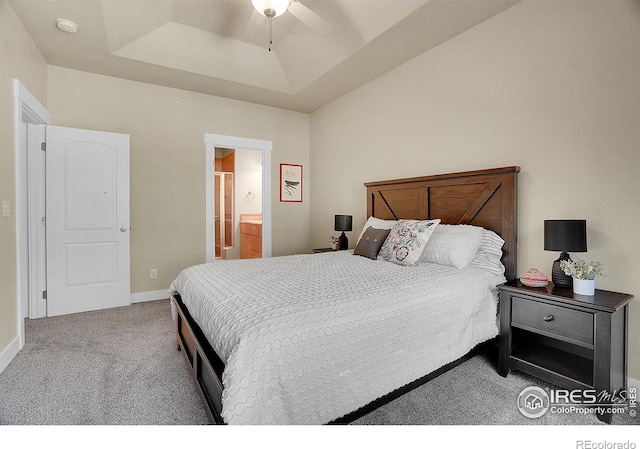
{"points": [[291, 183]]}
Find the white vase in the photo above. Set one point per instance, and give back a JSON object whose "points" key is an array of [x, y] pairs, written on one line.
{"points": [[584, 286]]}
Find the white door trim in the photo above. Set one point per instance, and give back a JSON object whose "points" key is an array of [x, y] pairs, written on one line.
{"points": [[25, 108], [213, 141], [37, 240]]}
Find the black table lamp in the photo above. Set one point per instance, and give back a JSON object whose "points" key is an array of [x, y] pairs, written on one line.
{"points": [[564, 236], [343, 223]]}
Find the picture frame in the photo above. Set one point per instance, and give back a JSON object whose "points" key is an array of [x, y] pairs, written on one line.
{"points": [[290, 183]]}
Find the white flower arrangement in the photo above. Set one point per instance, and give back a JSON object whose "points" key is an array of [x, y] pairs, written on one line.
{"points": [[580, 269], [333, 239]]}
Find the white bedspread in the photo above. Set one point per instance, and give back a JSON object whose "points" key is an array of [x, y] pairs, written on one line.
{"points": [[309, 338]]}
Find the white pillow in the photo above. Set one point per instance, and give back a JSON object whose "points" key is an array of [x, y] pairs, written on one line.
{"points": [[489, 254], [453, 245], [407, 241], [376, 223]]}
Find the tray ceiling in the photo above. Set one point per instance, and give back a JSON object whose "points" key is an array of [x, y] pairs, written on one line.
{"points": [[203, 45]]}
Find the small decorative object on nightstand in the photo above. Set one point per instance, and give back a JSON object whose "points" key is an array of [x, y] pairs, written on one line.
{"points": [[343, 223], [564, 236], [534, 278], [573, 341]]}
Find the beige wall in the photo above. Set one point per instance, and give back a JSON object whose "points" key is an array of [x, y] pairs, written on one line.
{"points": [[168, 162], [19, 59], [550, 86]]}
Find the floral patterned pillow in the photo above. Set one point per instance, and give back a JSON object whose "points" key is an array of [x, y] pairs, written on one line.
{"points": [[407, 241]]}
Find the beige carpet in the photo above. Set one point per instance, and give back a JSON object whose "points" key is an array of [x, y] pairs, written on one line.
{"points": [[121, 366], [114, 366]]}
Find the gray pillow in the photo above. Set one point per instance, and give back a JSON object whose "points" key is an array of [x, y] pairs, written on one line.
{"points": [[371, 241]]}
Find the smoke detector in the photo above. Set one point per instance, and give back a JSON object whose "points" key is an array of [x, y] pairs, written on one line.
{"points": [[66, 25]]}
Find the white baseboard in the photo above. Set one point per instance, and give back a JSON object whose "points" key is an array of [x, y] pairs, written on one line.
{"points": [[9, 353], [149, 296]]}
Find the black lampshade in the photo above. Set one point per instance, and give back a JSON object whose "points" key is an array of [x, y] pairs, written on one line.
{"points": [[343, 223], [564, 236]]}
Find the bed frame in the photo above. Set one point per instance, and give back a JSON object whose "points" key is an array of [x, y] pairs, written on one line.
{"points": [[484, 198]]}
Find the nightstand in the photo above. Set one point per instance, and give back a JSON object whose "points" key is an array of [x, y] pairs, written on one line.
{"points": [[323, 250], [573, 341]]}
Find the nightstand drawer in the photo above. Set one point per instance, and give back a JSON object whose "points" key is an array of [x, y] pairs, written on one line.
{"points": [[550, 320]]}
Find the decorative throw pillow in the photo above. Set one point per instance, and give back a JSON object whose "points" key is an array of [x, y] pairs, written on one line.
{"points": [[371, 241], [407, 241], [453, 245], [376, 223]]}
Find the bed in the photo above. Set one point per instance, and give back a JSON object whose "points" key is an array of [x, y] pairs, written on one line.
{"points": [[323, 338]]}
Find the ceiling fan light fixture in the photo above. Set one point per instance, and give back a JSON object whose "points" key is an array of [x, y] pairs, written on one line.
{"points": [[271, 8]]}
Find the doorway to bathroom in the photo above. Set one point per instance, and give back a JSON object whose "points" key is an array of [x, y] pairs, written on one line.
{"points": [[248, 195], [237, 203]]}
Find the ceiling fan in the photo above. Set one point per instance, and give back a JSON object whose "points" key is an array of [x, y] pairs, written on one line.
{"points": [[274, 8]]}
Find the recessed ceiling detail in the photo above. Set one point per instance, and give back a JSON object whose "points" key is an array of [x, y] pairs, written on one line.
{"points": [[205, 46], [189, 49]]}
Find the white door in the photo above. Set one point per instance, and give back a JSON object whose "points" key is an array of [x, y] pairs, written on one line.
{"points": [[87, 204]]}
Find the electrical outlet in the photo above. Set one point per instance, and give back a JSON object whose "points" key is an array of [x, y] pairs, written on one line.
{"points": [[6, 209], [154, 273]]}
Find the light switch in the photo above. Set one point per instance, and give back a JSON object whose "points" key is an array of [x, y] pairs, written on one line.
{"points": [[6, 209]]}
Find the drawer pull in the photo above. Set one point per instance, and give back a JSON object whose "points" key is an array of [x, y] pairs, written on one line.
{"points": [[548, 318]]}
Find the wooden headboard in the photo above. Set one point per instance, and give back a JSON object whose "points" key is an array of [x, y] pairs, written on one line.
{"points": [[485, 198]]}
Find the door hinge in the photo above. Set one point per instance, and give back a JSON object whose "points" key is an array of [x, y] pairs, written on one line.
{"points": [[44, 294], [43, 146], [43, 220]]}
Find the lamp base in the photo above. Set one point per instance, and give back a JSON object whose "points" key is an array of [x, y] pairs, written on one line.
{"points": [[343, 242], [559, 279]]}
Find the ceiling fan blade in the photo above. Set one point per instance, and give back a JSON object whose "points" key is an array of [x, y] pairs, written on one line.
{"points": [[309, 18], [255, 22]]}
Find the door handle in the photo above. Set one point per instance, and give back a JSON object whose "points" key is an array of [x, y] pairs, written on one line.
{"points": [[123, 229]]}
